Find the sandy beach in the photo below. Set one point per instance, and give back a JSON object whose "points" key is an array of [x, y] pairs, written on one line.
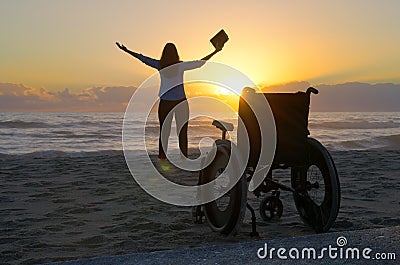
{"points": [[383, 244], [63, 207]]}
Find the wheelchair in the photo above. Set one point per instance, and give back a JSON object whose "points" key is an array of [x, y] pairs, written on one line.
{"points": [[314, 179]]}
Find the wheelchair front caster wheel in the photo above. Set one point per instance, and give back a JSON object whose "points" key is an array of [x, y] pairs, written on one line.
{"points": [[271, 207]]}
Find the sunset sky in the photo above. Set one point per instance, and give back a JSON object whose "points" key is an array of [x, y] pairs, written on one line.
{"points": [[53, 45]]}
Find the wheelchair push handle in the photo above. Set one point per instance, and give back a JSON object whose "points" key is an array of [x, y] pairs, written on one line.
{"points": [[312, 90], [223, 126]]}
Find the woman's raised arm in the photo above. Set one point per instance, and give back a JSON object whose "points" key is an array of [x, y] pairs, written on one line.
{"points": [[122, 47], [144, 59], [209, 56], [218, 48]]}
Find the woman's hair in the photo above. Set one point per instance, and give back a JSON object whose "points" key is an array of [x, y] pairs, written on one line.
{"points": [[169, 55]]}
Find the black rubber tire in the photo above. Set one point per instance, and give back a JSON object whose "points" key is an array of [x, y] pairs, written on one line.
{"points": [[320, 216], [226, 221], [271, 208]]}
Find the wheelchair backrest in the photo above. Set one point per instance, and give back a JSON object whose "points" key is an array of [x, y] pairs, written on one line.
{"points": [[290, 111]]}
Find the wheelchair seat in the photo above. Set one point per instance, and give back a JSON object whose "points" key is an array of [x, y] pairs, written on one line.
{"points": [[223, 126]]}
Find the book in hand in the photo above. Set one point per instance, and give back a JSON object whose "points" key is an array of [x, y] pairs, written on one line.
{"points": [[219, 39]]}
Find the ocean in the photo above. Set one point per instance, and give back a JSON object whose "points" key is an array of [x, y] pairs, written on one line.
{"points": [[52, 134]]}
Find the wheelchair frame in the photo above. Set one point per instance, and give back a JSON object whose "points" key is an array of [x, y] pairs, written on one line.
{"points": [[306, 157]]}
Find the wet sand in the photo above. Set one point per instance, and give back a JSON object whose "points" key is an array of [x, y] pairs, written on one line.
{"points": [[63, 208]]}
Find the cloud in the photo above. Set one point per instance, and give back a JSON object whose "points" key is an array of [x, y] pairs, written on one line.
{"points": [[287, 87], [358, 97], [348, 97], [340, 97], [18, 97]]}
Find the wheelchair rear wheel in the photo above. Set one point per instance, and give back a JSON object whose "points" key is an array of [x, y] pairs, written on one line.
{"points": [[225, 214], [317, 195]]}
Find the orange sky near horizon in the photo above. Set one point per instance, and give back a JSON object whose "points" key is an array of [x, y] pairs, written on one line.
{"points": [[70, 44]]}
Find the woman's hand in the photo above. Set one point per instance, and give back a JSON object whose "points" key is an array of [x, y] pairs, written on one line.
{"points": [[121, 46]]}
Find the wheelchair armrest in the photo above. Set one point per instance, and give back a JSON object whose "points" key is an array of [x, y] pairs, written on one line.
{"points": [[223, 126]]}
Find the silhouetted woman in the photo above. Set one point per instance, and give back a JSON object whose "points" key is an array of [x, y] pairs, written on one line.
{"points": [[170, 98]]}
